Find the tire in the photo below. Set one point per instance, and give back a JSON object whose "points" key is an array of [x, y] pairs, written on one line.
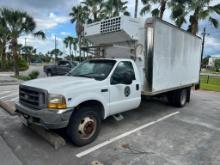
{"points": [[84, 126], [49, 73], [178, 98]]}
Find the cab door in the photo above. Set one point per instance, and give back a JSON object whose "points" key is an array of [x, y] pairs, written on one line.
{"points": [[123, 95]]}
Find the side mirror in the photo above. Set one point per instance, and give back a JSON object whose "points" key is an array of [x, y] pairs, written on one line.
{"points": [[125, 78]]}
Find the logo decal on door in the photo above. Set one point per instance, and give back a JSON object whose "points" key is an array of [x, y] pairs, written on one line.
{"points": [[127, 91]]}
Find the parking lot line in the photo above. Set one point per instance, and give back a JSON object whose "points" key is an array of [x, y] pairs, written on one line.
{"points": [[13, 94], [14, 99], [98, 146], [8, 91]]}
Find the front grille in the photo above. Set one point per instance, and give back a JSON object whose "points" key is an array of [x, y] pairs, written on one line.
{"points": [[32, 97]]}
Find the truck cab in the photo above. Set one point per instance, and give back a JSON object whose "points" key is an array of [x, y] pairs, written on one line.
{"points": [[79, 101]]}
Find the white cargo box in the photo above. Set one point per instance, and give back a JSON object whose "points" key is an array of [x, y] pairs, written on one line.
{"points": [[167, 57], [172, 57]]}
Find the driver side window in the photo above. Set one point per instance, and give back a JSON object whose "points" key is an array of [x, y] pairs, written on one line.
{"points": [[123, 67]]}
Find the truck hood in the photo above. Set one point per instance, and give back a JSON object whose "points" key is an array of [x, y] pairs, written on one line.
{"points": [[60, 83]]}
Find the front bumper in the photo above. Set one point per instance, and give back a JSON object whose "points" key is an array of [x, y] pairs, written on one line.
{"points": [[49, 119]]}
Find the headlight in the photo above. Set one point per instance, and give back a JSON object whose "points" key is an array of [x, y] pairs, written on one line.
{"points": [[56, 101]]}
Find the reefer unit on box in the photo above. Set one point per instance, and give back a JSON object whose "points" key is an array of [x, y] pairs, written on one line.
{"points": [[167, 57]]}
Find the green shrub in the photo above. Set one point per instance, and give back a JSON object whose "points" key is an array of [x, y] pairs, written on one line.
{"points": [[34, 74], [22, 64], [25, 78], [9, 65], [31, 76]]}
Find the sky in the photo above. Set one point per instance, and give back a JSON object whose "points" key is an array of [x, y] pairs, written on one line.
{"points": [[52, 16]]}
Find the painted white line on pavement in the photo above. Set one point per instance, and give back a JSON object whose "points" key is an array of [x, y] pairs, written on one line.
{"points": [[4, 92], [13, 94], [7, 91], [98, 146], [14, 99]]}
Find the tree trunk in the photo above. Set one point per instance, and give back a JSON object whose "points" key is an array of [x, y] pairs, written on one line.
{"points": [[15, 56], [3, 55], [194, 22], [194, 28], [80, 53], [162, 7]]}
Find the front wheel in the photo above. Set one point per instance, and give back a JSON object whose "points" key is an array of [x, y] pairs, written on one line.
{"points": [[84, 126]]}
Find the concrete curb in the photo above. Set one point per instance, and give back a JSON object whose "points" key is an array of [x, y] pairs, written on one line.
{"points": [[51, 137], [8, 107]]}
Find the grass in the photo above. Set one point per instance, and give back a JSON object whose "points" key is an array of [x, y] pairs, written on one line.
{"points": [[212, 84]]}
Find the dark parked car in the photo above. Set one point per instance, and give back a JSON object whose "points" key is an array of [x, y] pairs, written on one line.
{"points": [[61, 68]]}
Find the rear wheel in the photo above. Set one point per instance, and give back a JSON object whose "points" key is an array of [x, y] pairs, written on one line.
{"points": [[179, 98], [49, 73], [84, 126]]}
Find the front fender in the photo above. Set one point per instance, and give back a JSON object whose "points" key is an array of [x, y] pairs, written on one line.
{"points": [[74, 102]]}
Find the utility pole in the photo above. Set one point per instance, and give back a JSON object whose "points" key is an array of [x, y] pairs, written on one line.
{"points": [[25, 46], [197, 86], [203, 44], [136, 9], [25, 41], [55, 48]]}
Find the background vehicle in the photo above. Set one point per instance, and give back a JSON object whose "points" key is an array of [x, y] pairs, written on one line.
{"points": [[60, 68], [139, 57]]}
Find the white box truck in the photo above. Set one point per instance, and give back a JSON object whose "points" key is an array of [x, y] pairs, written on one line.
{"points": [[138, 57]]}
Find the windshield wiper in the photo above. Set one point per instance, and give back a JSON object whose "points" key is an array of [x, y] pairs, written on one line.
{"points": [[85, 75]]}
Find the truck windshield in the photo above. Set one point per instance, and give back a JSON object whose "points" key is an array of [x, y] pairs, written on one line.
{"points": [[97, 69]]}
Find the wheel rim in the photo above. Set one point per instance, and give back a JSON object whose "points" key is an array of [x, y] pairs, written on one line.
{"points": [[87, 127], [183, 97]]}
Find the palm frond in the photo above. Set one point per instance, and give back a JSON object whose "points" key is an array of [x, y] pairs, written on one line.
{"points": [[40, 34], [155, 12], [145, 9], [213, 21]]}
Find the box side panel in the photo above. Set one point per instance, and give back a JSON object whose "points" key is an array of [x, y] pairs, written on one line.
{"points": [[176, 59]]}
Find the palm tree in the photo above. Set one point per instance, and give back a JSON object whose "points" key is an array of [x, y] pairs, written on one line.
{"points": [[4, 38], [79, 16], [56, 53], [29, 51], [199, 10], [115, 8], [69, 43], [75, 43], [18, 23], [158, 12], [95, 10], [178, 12]]}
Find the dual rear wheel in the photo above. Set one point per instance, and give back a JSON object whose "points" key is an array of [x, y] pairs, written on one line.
{"points": [[179, 98]]}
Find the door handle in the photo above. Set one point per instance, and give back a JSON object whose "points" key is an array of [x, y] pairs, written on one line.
{"points": [[104, 90], [137, 87]]}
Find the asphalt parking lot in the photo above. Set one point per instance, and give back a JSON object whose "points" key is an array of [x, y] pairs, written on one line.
{"points": [[154, 134]]}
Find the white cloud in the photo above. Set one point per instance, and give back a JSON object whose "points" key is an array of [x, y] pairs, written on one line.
{"points": [[51, 21], [42, 45], [211, 41], [65, 33]]}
